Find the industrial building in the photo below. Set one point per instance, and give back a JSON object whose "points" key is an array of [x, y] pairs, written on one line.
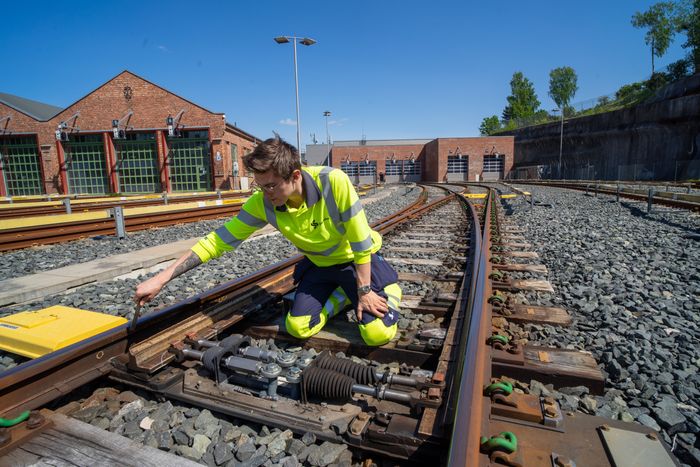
{"points": [[412, 160], [127, 136]]}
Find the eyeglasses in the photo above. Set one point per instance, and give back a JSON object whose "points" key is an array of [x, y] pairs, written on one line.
{"points": [[270, 187]]}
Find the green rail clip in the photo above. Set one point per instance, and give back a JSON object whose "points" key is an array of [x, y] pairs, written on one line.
{"points": [[498, 338], [499, 387], [8, 422], [505, 441]]}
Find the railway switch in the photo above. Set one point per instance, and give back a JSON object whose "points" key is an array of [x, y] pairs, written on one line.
{"points": [[270, 374]]}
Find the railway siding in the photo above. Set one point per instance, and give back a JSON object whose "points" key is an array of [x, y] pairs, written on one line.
{"points": [[631, 281]]}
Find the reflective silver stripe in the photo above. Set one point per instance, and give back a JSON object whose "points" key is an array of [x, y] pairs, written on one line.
{"points": [[394, 297], [270, 213], [393, 303], [326, 252], [227, 237], [364, 245], [351, 211], [250, 220], [331, 205]]}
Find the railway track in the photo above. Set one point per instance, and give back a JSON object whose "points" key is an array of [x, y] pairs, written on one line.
{"points": [[27, 209], [443, 390], [52, 233], [664, 198]]}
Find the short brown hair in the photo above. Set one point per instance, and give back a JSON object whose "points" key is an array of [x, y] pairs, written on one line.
{"points": [[273, 154]]}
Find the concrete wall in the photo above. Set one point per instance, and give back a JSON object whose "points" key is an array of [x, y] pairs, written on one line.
{"points": [[655, 141]]}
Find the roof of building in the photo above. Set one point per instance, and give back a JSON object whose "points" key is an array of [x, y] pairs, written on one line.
{"points": [[381, 142], [36, 110]]}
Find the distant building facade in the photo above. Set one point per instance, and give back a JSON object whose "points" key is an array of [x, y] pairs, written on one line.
{"points": [[412, 160], [127, 136]]}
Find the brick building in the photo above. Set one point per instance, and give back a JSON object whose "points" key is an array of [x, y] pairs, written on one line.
{"points": [[127, 136], [436, 160]]}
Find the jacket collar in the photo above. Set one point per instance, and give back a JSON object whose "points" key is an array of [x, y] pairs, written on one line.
{"points": [[313, 194]]}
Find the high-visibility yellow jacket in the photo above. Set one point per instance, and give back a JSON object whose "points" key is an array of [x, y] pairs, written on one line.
{"points": [[330, 227]]}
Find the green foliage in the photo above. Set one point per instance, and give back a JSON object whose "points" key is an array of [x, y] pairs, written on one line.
{"points": [[489, 125], [523, 102], [660, 22], [679, 69], [630, 93], [562, 85], [687, 20]]}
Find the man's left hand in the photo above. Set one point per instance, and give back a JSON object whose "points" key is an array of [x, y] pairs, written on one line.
{"points": [[373, 304]]}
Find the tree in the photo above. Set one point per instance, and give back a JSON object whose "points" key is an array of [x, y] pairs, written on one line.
{"points": [[687, 20], [489, 125], [562, 85], [522, 103], [661, 23]]}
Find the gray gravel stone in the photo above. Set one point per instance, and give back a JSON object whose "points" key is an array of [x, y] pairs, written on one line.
{"points": [[245, 451], [222, 453], [325, 454], [308, 438]]}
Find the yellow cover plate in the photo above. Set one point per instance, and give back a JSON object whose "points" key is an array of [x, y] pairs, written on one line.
{"points": [[36, 333]]}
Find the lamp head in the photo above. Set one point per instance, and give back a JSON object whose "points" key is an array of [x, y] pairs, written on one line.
{"points": [[307, 41]]}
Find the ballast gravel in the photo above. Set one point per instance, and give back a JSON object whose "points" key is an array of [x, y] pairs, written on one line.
{"points": [[42, 258], [631, 280]]}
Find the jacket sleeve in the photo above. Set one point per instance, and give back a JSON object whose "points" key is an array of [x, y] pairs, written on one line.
{"points": [[230, 235], [352, 216]]}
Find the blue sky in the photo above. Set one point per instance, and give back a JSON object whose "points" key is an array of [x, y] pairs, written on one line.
{"points": [[385, 69]]}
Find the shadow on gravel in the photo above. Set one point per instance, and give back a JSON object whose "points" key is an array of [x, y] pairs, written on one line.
{"points": [[637, 212]]}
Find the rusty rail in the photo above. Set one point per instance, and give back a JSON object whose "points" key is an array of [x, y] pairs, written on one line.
{"points": [[23, 237], [471, 409], [17, 210], [672, 200]]}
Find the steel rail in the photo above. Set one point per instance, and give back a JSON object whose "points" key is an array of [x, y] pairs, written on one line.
{"points": [[23, 237], [39, 381], [657, 199], [472, 410], [18, 211]]}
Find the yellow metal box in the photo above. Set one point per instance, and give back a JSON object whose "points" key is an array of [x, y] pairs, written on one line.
{"points": [[36, 333]]}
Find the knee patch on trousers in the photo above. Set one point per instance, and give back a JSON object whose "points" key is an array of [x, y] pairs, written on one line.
{"points": [[377, 333], [298, 326]]}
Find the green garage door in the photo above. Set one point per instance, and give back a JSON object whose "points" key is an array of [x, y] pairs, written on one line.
{"points": [[137, 163], [19, 157], [190, 162], [85, 165]]}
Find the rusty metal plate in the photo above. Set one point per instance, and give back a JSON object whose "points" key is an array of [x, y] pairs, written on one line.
{"points": [[539, 285], [540, 314], [534, 268], [520, 254], [630, 449]]}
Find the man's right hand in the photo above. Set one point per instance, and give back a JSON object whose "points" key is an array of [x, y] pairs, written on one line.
{"points": [[147, 290]]}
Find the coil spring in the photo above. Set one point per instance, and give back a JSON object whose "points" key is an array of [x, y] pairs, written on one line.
{"points": [[326, 384], [362, 374]]}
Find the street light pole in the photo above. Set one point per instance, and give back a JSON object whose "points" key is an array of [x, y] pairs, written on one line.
{"points": [[327, 114], [304, 41]]}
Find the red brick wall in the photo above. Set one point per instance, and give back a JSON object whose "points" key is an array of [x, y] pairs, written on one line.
{"points": [[150, 104], [339, 154], [433, 154], [475, 148]]}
